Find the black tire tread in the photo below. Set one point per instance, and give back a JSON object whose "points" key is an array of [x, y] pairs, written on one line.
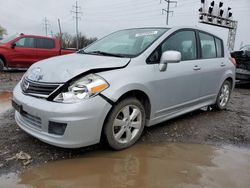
{"points": [[1, 64]]}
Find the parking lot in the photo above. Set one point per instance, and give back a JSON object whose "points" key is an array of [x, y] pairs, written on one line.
{"points": [[206, 126]]}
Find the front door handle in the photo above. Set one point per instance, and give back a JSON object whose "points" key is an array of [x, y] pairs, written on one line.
{"points": [[196, 68]]}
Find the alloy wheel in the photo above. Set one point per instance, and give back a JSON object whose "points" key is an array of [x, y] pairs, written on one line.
{"points": [[224, 95], [127, 124]]}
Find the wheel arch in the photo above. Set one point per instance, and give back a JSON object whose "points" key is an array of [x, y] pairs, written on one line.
{"points": [[141, 96], [231, 80], [217, 105], [3, 59], [228, 75], [138, 94]]}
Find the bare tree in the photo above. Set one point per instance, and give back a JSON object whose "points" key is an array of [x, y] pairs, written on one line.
{"points": [[83, 40], [69, 41], [2, 31]]}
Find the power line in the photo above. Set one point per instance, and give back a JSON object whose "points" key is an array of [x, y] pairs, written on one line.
{"points": [[121, 4], [168, 11], [127, 14], [46, 25], [77, 17]]}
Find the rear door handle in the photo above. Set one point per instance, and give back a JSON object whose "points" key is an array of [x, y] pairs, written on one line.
{"points": [[196, 68], [222, 64]]}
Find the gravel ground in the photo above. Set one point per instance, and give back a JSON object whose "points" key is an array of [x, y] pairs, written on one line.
{"points": [[206, 126], [9, 79]]}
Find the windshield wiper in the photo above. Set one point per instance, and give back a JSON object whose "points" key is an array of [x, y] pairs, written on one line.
{"points": [[102, 53], [81, 51]]}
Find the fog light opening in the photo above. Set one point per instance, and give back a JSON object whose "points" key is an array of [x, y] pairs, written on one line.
{"points": [[57, 128]]}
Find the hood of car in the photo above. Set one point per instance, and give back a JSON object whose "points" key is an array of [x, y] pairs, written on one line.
{"points": [[63, 68]]}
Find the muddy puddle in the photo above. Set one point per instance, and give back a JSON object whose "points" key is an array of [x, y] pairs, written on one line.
{"points": [[5, 101], [142, 166]]}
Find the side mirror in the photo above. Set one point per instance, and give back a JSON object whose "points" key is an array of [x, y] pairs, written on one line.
{"points": [[13, 45], [169, 57]]}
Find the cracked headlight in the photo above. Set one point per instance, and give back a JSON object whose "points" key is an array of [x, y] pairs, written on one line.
{"points": [[84, 88]]}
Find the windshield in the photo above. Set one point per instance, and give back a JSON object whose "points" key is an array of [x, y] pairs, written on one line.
{"points": [[126, 43], [8, 39]]}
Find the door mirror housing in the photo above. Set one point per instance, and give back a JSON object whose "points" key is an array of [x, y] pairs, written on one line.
{"points": [[169, 57], [13, 45]]}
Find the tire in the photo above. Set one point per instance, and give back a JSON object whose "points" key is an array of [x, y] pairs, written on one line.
{"points": [[1, 65], [223, 96], [125, 124]]}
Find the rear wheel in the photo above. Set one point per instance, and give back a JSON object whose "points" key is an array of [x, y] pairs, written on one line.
{"points": [[1, 64], [223, 96], [125, 124]]}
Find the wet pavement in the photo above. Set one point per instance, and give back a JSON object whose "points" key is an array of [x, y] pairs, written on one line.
{"points": [[144, 165], [5, 104]]}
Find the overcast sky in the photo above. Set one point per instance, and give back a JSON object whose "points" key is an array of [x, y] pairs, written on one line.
{"points": [[100, 17]]}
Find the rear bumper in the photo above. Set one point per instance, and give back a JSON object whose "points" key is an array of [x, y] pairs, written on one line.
{"points": [[84, 120]]}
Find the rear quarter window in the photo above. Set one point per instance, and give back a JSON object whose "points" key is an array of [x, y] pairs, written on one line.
{"points": [[45, 43], [219, 47]]}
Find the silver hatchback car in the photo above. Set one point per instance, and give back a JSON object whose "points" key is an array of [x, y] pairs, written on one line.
{"points": [[123, 82]]}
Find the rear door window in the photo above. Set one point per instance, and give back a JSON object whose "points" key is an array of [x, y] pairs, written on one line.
{"points": [[45, 43], [26, 42], [208, 48]]}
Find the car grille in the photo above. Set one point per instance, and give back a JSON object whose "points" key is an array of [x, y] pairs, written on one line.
{"points": [[31, 120], [38, 89]]}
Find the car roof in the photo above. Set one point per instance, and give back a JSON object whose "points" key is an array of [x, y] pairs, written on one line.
{"points": [[177, 28], [36, 36]]}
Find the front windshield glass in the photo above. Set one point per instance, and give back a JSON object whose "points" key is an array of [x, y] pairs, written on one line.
{"points": [[126, 43], [8, 39]]}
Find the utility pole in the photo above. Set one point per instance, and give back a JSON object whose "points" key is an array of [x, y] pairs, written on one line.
{"points": [[168, 11], [51, 33], [46, 25], [60, 31], [77, 17], [59, 25]]}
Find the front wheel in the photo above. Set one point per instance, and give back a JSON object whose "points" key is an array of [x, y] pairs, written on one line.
{"points": [[125, 124], [223, 96]]}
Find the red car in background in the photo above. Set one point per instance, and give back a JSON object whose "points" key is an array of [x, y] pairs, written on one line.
{"points": [[21, 51]]}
